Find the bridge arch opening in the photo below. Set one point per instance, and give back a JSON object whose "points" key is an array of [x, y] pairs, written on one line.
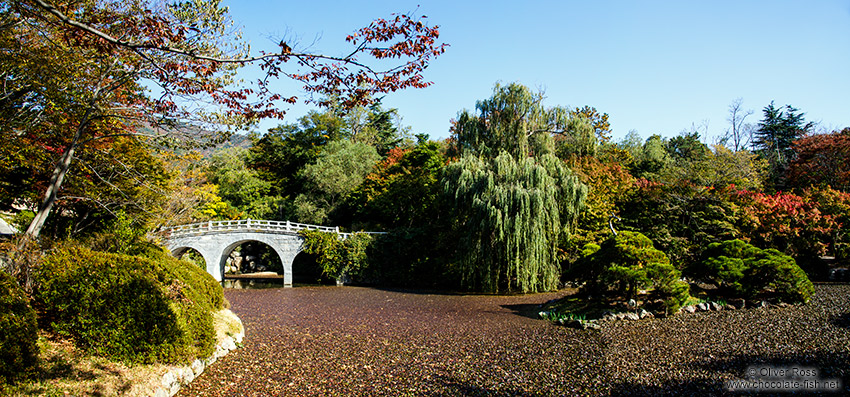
{"points": [[250, 257], [307, 270]]}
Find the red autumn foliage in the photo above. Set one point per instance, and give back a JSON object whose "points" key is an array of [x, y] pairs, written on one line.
{"points": [[791, 223], [822, 160], [182, 67]]}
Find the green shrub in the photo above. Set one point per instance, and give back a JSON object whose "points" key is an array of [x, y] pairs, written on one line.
{"points": [[676, 294], [741, 269], [723, 265], [778, 275], [629, 263], [337, 257], [204, 289], [18, 349], [23, 219], [138, 309]]}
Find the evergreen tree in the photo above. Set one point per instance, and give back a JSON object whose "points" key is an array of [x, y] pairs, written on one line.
{"points": [[687, 147], [776, 131]]}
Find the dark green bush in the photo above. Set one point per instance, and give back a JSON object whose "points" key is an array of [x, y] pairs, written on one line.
{"points": [[18, 349], [778, 274], [741, 269], [724, 265], [629, 263], [139, 309]]}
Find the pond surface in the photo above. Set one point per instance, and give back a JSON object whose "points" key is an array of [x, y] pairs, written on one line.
{"points": [[362, 341]]}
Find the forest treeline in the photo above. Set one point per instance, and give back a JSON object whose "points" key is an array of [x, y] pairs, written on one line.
{"points": [[507, 203]]}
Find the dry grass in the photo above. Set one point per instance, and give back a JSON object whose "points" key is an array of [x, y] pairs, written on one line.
{"points": [[226, 324]]}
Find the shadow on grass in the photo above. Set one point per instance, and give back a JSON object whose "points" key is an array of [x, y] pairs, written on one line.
{"points": [[62, 371], [59, 367], [524, 310]]}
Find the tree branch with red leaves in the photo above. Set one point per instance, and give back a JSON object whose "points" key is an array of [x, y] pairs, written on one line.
{"points": [[174, 69], [401, 37]]}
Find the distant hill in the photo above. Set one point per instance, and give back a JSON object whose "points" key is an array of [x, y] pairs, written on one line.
{"points": [[236, 140]]}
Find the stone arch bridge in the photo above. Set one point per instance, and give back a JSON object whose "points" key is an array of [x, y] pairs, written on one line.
{"points": [[216, 240]]}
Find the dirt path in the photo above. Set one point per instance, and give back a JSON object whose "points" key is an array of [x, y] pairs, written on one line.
{"points": [[359, 341]]}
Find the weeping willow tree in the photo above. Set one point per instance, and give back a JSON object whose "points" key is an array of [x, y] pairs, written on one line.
{"points": [[514, 200], [512, 121], [512, 213]]}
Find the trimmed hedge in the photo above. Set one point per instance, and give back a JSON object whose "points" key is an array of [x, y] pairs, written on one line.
{"points": [[18, 348], [741, 269], [139, 309]]}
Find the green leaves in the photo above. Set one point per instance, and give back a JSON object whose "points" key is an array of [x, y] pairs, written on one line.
{"points": [[18, 349], [628, 263], [145, 308], [745, 270], [240, 185], [337, 257], [512, 214], [512, 120], [514, 199], [339, 169]]}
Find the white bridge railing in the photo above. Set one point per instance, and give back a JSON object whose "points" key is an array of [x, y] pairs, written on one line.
{"points": [[252, 225]]}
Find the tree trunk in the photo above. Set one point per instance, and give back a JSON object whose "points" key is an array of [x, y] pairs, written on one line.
{"points": [[64, 164], [56, 180]]}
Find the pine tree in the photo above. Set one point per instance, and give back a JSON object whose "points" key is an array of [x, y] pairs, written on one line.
{"points": [[776, 131]]}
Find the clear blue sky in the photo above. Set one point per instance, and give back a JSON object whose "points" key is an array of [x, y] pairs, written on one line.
{"points": [[657, 67]]}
